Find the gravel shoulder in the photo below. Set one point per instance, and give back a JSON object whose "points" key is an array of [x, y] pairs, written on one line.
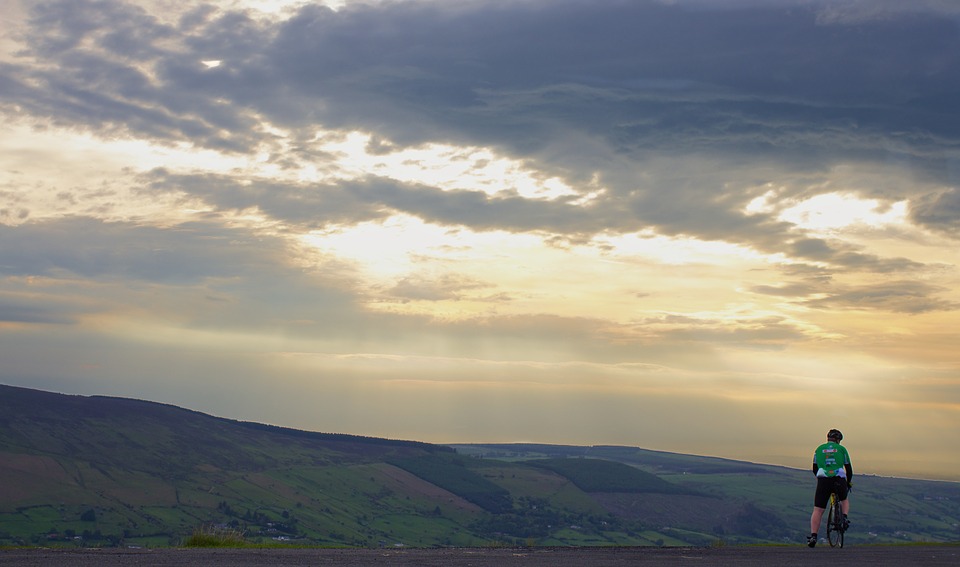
{"points": [[784, 556]]}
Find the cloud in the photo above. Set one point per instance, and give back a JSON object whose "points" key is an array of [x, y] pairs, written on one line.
{"points": [[820, 290], [759, 333], [530, 78], [92, 249], [860, 11], [309, 205], [940, 211], [667, 73], [842, 256], [788, 290], [15, 309], [446, 287], [897, 296], [200, 276]]}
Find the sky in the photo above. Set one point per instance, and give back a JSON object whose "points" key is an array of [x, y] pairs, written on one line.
{"points": [[718, 228]]}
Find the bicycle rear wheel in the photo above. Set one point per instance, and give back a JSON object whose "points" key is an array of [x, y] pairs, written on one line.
{"points": [[835, 522]]}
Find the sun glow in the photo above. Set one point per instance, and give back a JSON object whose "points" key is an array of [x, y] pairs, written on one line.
{"points": [[444, 166], [386, 250], [413, 266], [679, 250], [830, 212]]}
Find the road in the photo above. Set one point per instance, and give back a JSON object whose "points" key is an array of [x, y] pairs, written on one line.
{"points": [[782, 556]]}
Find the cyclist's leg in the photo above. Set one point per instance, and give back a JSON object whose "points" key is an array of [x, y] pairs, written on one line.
{"points": [[815, 519], [843, 494], [820, 499]]}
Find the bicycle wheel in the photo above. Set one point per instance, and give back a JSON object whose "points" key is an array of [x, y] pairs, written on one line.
{"points": [[835, 522], [841, 529]]}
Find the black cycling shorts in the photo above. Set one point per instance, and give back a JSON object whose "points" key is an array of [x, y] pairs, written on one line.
{"points": [[828, 485]]}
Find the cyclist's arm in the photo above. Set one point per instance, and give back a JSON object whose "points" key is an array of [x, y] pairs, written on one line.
{"points": [[848, 466], [816, 469]]}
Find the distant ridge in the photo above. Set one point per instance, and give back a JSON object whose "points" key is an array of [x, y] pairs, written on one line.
{"points": [[340, 437], [665, 461], [97, 405]]}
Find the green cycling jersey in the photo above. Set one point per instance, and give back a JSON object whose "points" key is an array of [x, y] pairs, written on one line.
{"points": [[830, 459]]}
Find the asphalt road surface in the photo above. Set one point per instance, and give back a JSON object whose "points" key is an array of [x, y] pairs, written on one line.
{"points": [[780, 556]]}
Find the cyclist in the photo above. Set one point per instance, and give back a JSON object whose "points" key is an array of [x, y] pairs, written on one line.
{"points": [[831, 464]]}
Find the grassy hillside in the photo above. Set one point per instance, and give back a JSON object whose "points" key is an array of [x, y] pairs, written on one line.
{"points": [[600, 475], [727, 497], [105, 470], [98, 471]]}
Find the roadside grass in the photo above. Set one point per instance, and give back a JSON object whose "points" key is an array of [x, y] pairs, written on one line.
{"points": [[216, 536], [210, 536]]}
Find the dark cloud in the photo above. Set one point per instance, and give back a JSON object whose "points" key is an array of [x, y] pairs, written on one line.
{"points": [[629, 79], [117, 70], [89, 248], [898, 286], [643, 76], [898, 296], [314, 205], [307, 205], [443, 288], [756, 333], [15, 309], [582, 88], [842, 256], [18, 214], [911, 297], [117, 27], [939, 211]]}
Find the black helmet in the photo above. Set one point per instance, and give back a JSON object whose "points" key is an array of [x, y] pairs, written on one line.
{"points": [[835, 434]]}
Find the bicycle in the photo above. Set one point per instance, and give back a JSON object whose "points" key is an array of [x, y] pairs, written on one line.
{"points": [[835, 525]]}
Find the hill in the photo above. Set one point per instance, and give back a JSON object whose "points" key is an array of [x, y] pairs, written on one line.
{"points": [[100, 471]]}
